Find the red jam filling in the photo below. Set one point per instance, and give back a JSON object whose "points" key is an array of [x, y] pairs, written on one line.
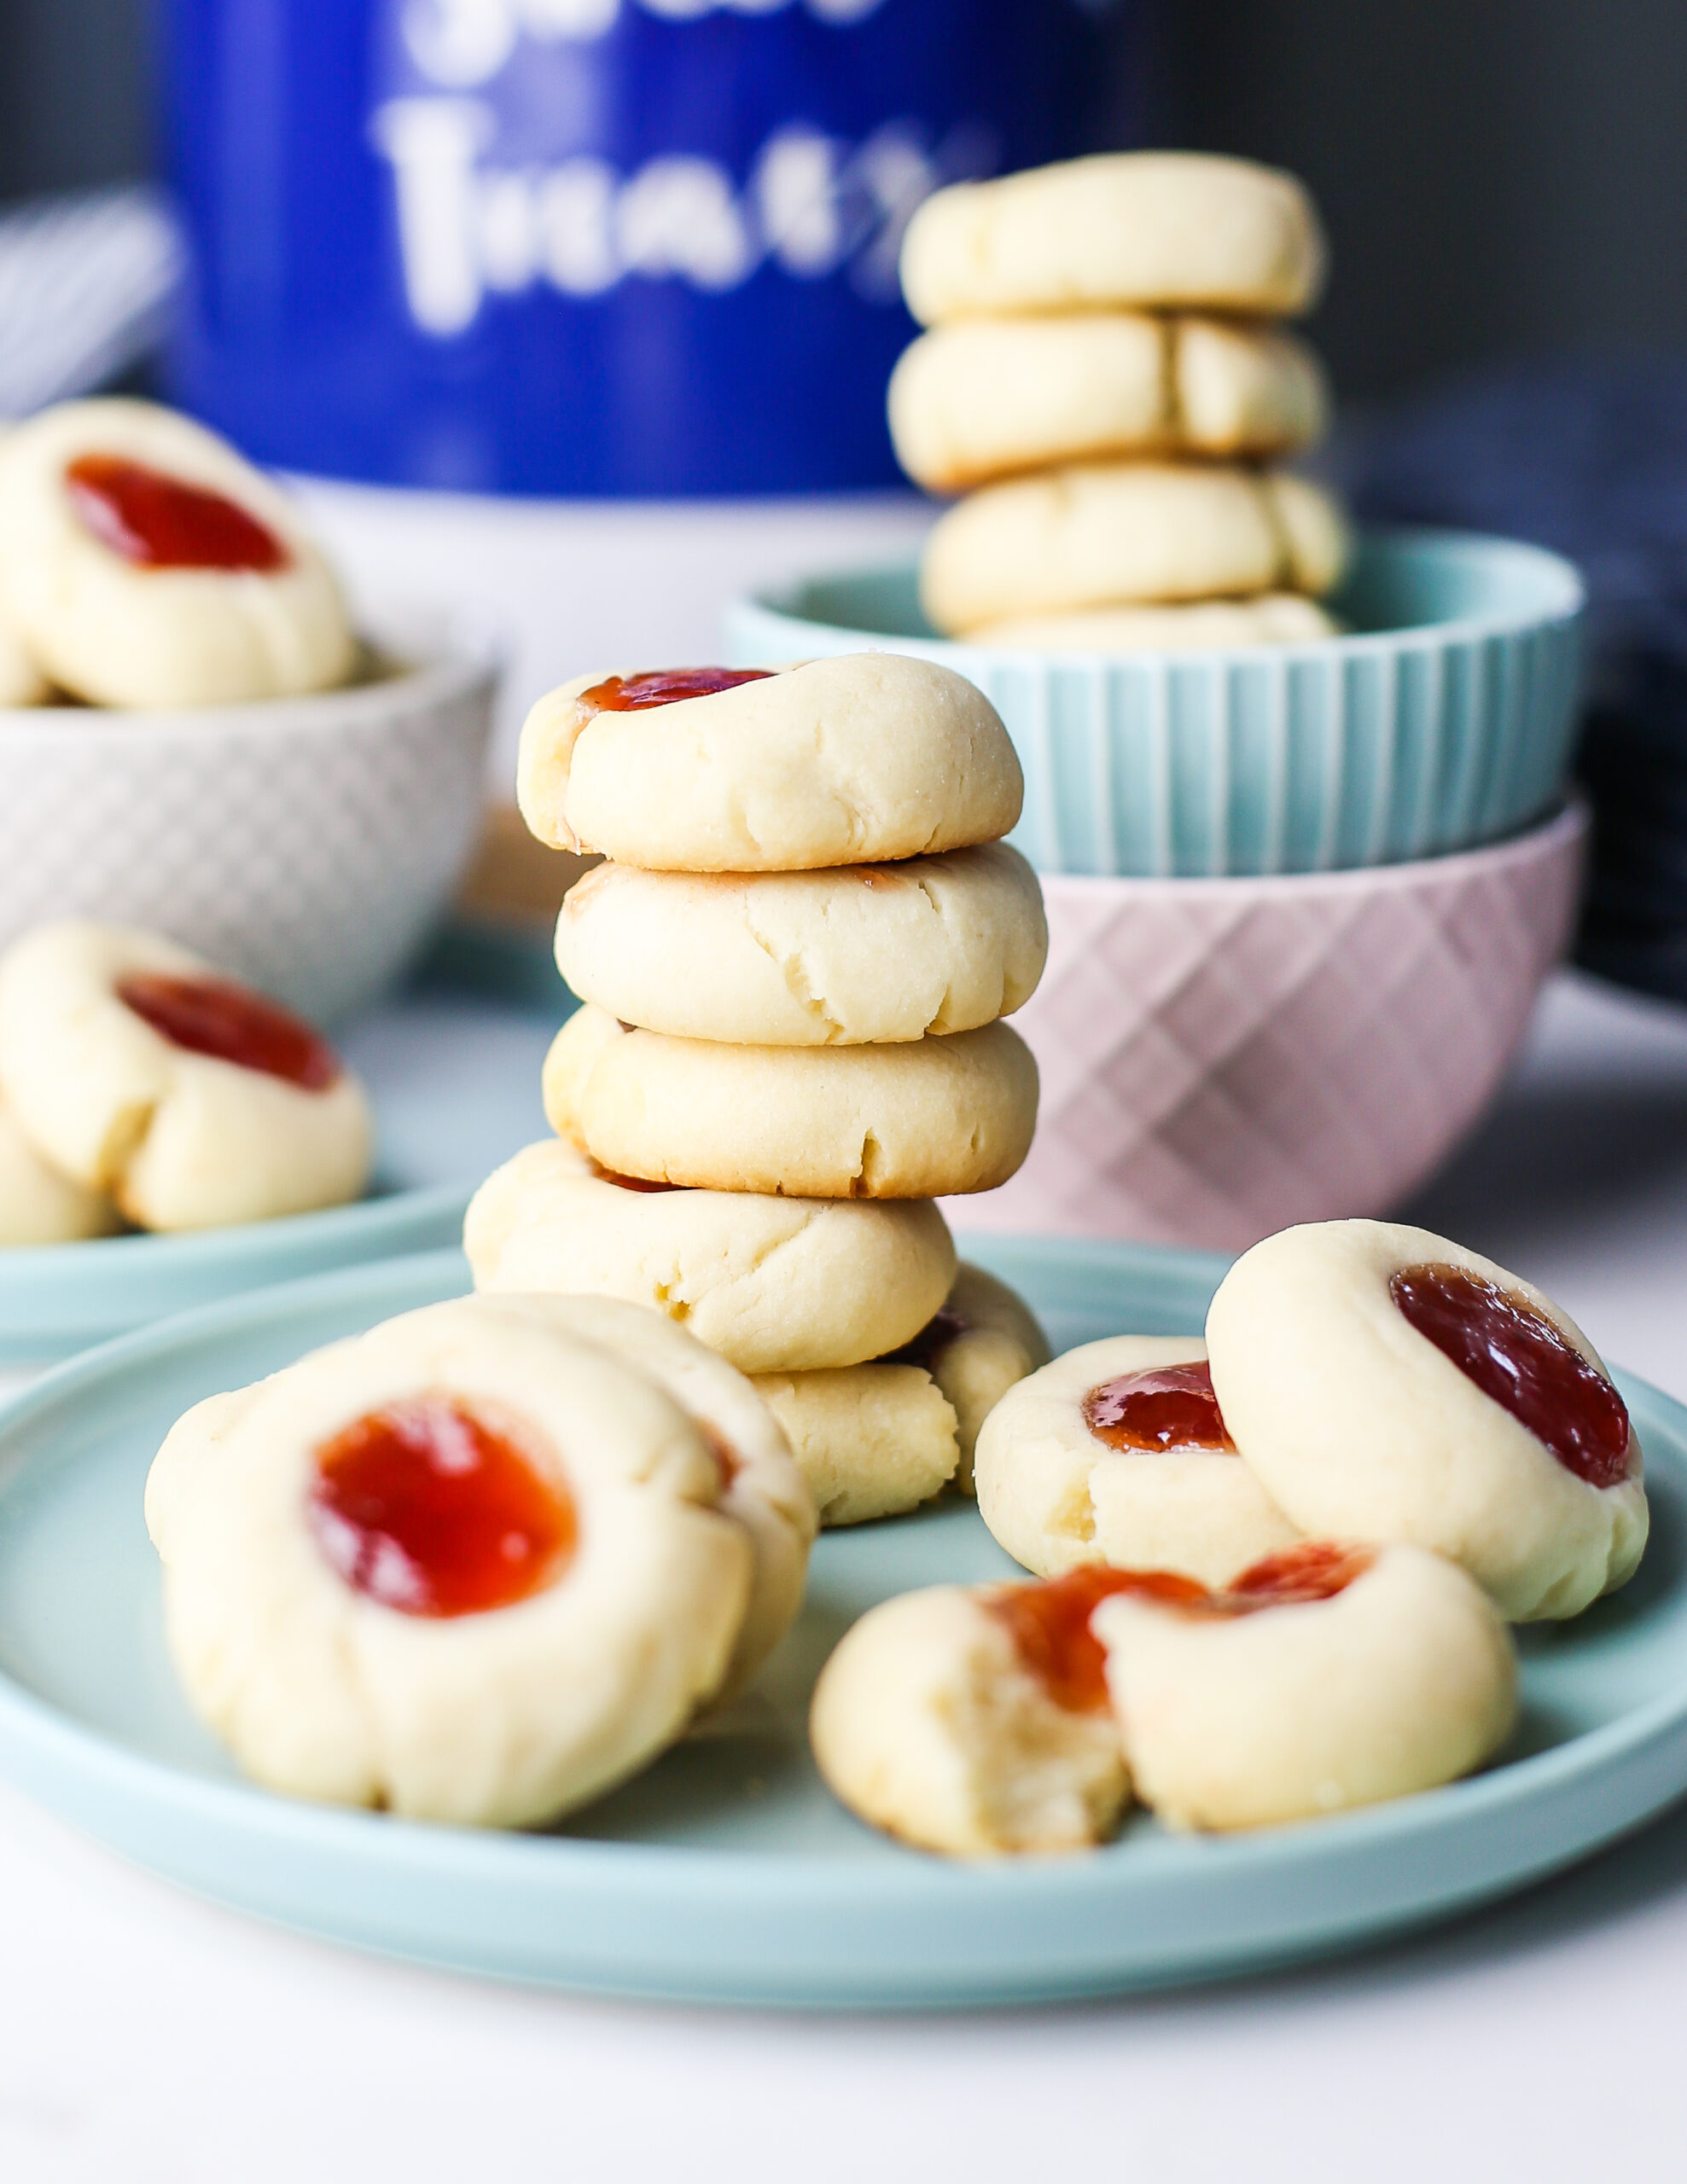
{"points": [[428, 1509], [1515, 1355], [1050, 1622], [943, 1327], [159, 522], [1167, 1407], [664, 686], [230, 1023]]}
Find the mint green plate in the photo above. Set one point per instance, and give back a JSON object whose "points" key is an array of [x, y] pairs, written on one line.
{"points": [[726, 1873]]}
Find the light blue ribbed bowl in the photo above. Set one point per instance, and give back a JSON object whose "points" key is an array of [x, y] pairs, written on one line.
{"points": [[1444, 720]]}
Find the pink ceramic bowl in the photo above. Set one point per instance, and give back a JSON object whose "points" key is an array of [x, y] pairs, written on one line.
{"points": [[1221, 1058]]}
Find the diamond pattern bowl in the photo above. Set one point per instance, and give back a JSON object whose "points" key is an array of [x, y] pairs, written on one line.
{"points": [[1221, 1058], [306, 844]]}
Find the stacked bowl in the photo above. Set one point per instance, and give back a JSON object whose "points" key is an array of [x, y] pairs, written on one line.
{"points": [[1302, 893]]}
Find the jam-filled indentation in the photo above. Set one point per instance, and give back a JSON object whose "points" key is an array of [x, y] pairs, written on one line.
{"points": [[1050, 1622], [230, 1023], [430, 1507], [155, 521], [1166, 1407], [664, 686], [1516, 1356]]}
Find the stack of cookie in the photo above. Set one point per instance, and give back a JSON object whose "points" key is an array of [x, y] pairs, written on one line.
{"points": [[1105, 368], [792, 972]]}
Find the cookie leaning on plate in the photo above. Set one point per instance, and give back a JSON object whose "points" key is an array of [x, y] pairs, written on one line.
{"points": [[851, 955], [1171, 229], [773, 1284], [854, 760], [924, 1118]]}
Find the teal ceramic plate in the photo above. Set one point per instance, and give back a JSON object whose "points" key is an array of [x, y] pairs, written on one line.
{"points": [[1442, 719], [725, 1873], [452, 1066]]}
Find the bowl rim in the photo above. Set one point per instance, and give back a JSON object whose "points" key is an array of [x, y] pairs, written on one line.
{"points": [[1563, 598], [452, 651], [1564, 829]]}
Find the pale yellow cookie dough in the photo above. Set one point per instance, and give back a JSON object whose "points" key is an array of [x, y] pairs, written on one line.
{"points": [[1360, 1428], [180, 1139], [987, 396], [122, 635], [501, 1718], [1107, 534], [1167, 228], [39, 1205], [856, 954], [1055, 1496], [852, 760], [21, 681], [926, 1723], [1269, 617], [773, 1284], [985, 1339], [1403, 1681], [871, 1440], [926, 1118]]}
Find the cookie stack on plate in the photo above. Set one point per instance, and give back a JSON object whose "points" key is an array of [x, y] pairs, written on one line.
{"points": [[1106, 379], [792, 970]]}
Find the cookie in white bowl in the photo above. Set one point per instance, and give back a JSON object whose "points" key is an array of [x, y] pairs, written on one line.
{"points": [[137, 1069], [144, 563]]}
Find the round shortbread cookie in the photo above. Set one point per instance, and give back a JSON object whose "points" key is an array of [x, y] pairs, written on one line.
{"points": [[984, 1339], [467, 1566], [926, 1118], [1301, 1704], [1121, 227], [987, 396], [1107, 534], [772, 1284], [38, 1205], [762, 1488], [98, 572], [178, 1136], [871, 1440], [927, 1723], [1056, 1492], [1361, 1426], [1269, 617], [853, 760], [853, 955]]}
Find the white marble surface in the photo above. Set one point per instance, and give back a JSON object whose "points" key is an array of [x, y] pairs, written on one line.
{"points": [[146, 2038]]}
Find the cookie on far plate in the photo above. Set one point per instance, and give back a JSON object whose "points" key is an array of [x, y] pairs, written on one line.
{"points": [[139, 1071], [143, 563], [852, 760], [39, 1205], [924, 1118], [1269, 617]]}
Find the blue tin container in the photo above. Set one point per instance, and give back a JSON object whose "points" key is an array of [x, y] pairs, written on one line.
{"points": [[590, 248]]}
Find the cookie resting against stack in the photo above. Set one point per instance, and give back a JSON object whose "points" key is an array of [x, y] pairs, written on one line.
{"points": [[1103, 379], [1277, 1566], [792, 972]]}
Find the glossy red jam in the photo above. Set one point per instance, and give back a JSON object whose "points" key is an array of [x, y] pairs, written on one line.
{"points": [[430, 1508], [160, 522], [1050, 1622], [1515, 1355], [664, 686], [230, 1023], [943, 1327], [1167, 1407]]}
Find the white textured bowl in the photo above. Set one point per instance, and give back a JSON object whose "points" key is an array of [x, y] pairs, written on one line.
{"points": [[1221, 1058], [306, 844]]}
